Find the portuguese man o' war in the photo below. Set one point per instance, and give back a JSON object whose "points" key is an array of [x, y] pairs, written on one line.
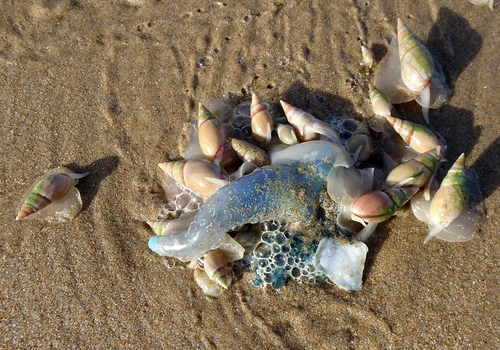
{"points": [[307, 215], [322, 207], [290, 190], [283, 192]]}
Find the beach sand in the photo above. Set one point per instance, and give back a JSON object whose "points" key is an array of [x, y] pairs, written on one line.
{"points": [[110, 87]]}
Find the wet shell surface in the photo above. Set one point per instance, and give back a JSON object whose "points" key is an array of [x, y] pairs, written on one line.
{"points": [[211, 133], [307, 127], [380, 103], [199, 176], [367, 56], [417, 136], [54, 196], [417, 170], [417, 64], [287, 134], [378, 206], [262, 121], [215, 267], [360, 143], [452, 196]]}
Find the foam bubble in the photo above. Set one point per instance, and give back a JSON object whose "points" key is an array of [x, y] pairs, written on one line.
{"points": [[280, 256]]}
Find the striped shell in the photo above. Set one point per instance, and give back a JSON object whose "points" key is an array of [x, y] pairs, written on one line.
{"points": [[211, 134], [378, 206], [418, 169], [195, 175], [417, 136], [262, 121], [417, 64], [53, 194], [451, 198], [306, 126]]}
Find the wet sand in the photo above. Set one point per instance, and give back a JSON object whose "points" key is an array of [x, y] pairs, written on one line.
{"points": [[109, 89]]}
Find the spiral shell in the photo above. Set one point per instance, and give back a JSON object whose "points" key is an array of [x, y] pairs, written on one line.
{"points": [[196, 175], [417, 64], [262, 121], [211, 134], [250, 153], [418, 169], [417, 136], [53, 189], [452, 196], [378, 206], [380, 103], [307, 127]]}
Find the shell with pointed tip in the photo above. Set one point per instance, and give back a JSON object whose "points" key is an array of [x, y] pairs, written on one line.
{"points": [[367, 56], [287, 135], [193, 174], [262, 121], [463, 227], [452, 196], [380, 103], [361, 138], [378, 206], [388, 80], [53, 194], [417, 64], [420, 169], [417, 136], [307, 127], [250, 153], [215, 267], [211, 134]]}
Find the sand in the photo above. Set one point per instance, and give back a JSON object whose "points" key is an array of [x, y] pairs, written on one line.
{"points": [[108, 87]]}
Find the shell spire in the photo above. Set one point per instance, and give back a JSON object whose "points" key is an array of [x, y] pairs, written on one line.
{"points": [[451, 198], [51, 188], [380, 103], [211, 134], [417, 170], [201, 177], [417, 65], [307, 127], [378, 206], [262, 121], [417, 136]]}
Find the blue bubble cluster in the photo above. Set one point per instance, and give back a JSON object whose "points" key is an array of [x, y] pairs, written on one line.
{"points": [[281, 255]]}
